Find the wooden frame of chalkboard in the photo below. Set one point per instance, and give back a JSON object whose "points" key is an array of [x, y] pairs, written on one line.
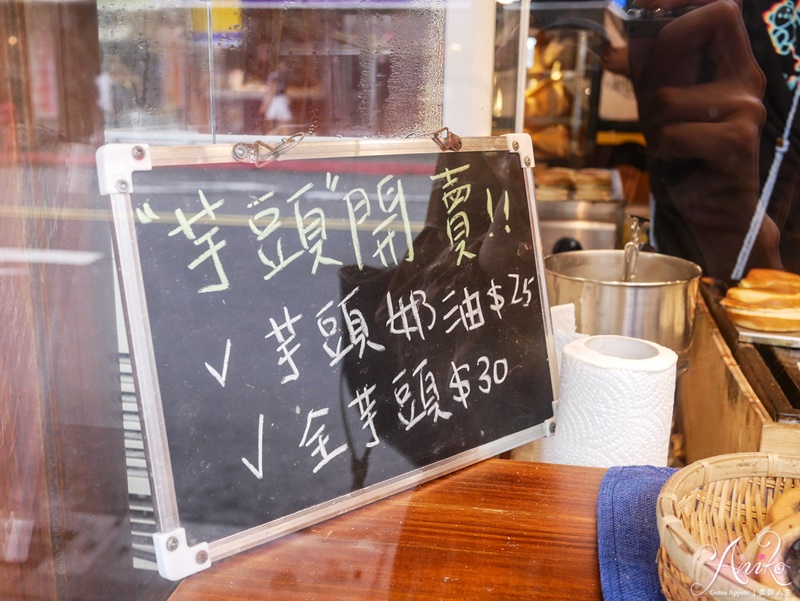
{"points": [[296, 303]]}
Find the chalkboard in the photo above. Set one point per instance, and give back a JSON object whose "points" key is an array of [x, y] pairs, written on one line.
{"points": [[319, 324]]}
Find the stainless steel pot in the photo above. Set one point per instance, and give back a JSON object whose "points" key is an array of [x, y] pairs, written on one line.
{"points": [[658, 305]]}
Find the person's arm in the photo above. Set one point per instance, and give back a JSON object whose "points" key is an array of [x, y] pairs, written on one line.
{"points": [[699, 91]]}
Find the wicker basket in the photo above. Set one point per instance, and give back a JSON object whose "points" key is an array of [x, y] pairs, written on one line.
{"points": [[713, 502]]}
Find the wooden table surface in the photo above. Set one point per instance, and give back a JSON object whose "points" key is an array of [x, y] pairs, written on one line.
{"points": [[497, 530]]}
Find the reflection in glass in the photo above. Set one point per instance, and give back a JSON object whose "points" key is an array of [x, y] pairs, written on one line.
{"points": [[361, 69]]}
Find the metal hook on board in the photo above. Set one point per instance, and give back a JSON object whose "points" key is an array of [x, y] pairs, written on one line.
{"points": [[252, 153], [449, 141]]}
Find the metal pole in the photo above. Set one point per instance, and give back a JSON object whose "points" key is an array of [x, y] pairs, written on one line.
{"points": [[211, 76], [522, 66]]}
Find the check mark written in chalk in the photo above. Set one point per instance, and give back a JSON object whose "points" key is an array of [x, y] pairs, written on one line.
{"points": [[221, 377], [258, 473]]}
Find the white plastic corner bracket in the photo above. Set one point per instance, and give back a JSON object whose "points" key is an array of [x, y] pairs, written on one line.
{"points": [[522, 145], [175, 558], [116, 164]]}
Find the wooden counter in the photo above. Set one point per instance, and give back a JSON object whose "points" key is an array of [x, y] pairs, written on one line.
{"points": [[497, 530], [722, 409]]}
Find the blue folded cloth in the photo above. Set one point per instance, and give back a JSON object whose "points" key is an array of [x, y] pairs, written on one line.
{"points": [[627, 534]]}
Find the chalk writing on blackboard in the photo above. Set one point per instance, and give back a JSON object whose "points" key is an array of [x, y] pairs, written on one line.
{"points": [[220, 377], [258, 472], [388, 201], [321, 333]]}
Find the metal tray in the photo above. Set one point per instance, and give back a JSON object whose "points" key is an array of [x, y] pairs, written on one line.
{"points": [[784, 339]]}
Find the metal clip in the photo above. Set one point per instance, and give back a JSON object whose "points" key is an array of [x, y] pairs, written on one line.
{"points": [[449, 141], [252, 153]]}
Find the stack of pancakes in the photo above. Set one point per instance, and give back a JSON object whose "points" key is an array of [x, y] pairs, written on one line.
{"points": [[766, 300], [591, 184], [561, 183], [554, 183]]}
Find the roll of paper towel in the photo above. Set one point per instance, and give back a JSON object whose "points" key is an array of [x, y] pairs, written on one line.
{"points": [[616, 401], [564, 329], [542, 450]]}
